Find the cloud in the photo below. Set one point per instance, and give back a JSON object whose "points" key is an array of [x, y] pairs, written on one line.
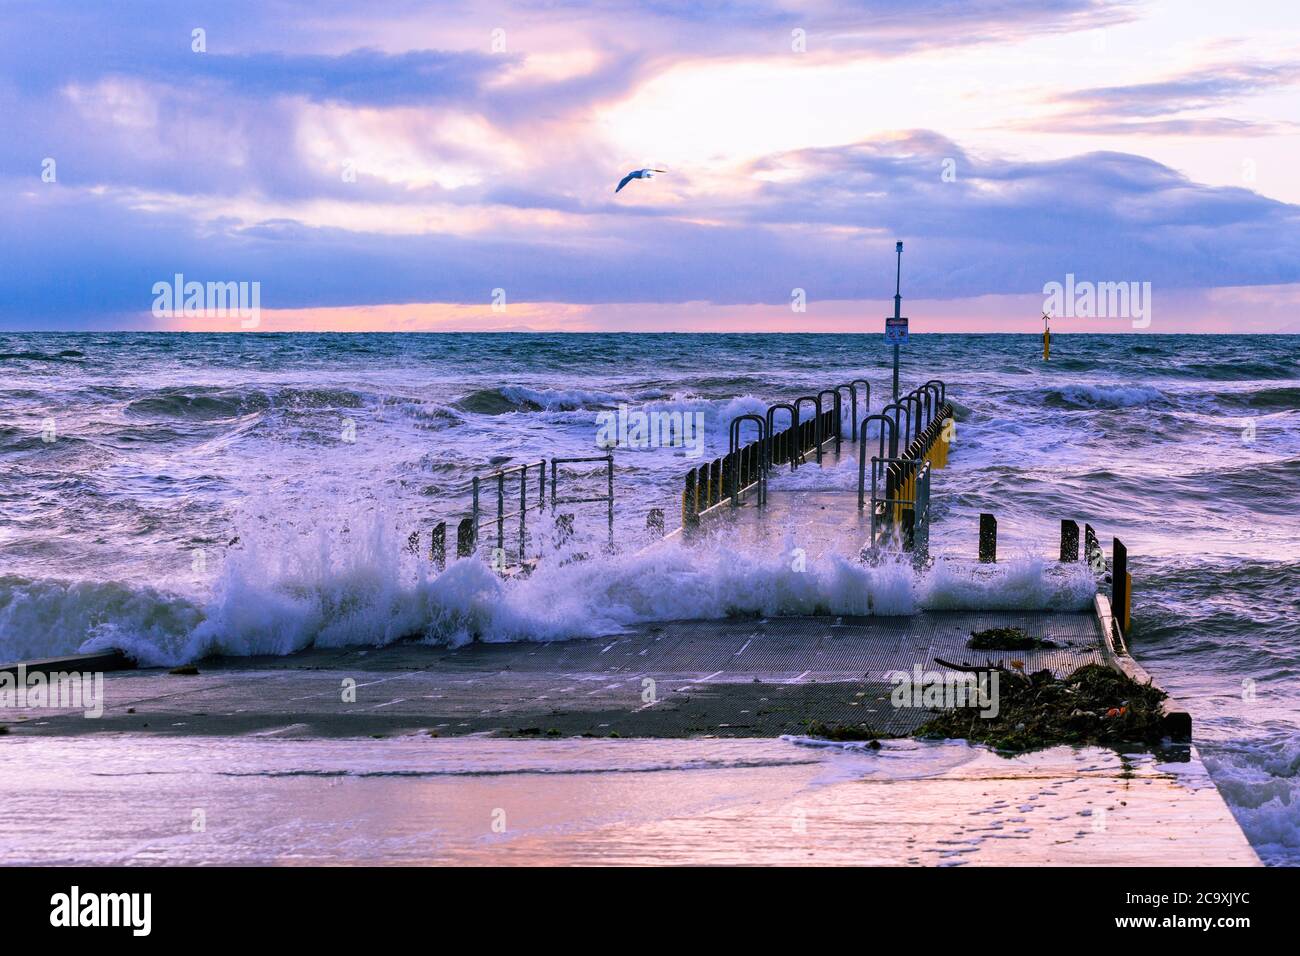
{"points": [[1153, 108], [480, 170], [1208, 86], [1001, 226], [359, 77]]}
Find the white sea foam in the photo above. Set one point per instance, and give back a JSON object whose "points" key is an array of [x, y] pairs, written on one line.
{"points": [[361, 588], [1259, 780]]}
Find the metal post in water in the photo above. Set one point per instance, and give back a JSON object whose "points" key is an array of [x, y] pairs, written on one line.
{"points": [[609, 461], [501, 513], [474, 513], [523, 513]]}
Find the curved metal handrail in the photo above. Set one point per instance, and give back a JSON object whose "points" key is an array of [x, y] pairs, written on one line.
{"points": [[932, 394], [771, 429], [909, 400], [853, 412], [897, 423], [943, 389], [733, 446], [880, 452], [817, 421], [839, 415], [866, 401], [924, 402]]}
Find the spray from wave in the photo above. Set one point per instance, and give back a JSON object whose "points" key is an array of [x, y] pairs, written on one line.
{"points": [[366, 590]]}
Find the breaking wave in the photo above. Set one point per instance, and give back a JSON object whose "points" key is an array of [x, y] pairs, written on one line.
{"points": [[1094, 396], [270, 602]]}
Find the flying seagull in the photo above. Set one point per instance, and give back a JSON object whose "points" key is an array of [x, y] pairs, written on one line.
{"points": [[639, 174]]}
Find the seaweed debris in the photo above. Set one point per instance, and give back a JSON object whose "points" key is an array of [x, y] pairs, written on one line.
{"points": [[1006, 639], [1094, 705]]}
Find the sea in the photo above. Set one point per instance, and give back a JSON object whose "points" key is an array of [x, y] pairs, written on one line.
{"points": [[179, 495]]}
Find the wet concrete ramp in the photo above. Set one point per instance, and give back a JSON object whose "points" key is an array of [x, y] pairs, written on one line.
{"points": [[732, 678]]}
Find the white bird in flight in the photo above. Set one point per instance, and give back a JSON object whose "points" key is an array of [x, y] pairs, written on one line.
{"points": [[648, 173]]}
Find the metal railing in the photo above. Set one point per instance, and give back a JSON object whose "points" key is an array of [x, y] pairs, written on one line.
{"points": [[607, 498], [900, 476], [758, 468], [748, 466], [499, 478]]}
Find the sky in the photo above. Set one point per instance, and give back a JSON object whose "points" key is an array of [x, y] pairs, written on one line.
{"points": [[451, 166]]}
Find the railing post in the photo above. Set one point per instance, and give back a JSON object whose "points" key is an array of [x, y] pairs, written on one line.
{"points": [[689, 515], [523, 513], [654, 522], [609, 462], [475, 513], [501, 513]]}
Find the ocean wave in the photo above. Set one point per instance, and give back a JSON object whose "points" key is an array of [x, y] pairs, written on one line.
{"points": [[1263, 398], [1097, 396], [197, 404], [1261, 782], [201, 403], [1226, 371], [45, 617], [61, 356], [518, 398], [269, 601]]}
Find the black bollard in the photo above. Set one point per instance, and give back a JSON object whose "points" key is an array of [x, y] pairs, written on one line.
{"points": [[465, 538], [1121, 588], [438, 545], [1092, 550], [1069, 541], [988, 539]]}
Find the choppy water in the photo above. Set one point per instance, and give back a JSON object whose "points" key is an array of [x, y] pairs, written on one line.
{"points": [[254, 494]]}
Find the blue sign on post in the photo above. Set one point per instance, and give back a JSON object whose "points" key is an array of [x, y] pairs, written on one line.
{"points": [[896, 330]]}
